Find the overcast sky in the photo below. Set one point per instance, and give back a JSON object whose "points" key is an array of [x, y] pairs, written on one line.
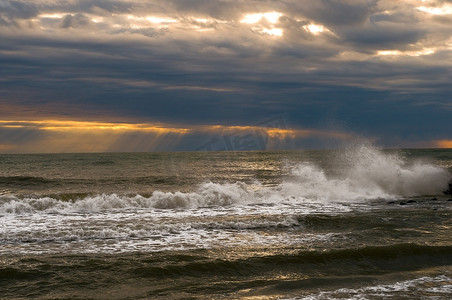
{"points": [[146, 75]]}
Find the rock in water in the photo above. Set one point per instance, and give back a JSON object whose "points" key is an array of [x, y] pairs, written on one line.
{"points": [[449, 189]]}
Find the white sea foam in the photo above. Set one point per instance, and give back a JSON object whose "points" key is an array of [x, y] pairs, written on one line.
{"points": [[361, 173], [207, 194], [365, 173], [158, 230], [436, 287], [392, 173]]}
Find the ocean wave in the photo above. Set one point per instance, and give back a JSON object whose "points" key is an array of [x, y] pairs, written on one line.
{"points": [[208, 194], [311, 263], [355, 273], [154, 234], [438, 287], [362, 173], [365, 172], [335, 262], [23, 180]]}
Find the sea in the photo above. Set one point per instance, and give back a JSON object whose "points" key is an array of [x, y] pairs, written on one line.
{"points": [[358, 222]]}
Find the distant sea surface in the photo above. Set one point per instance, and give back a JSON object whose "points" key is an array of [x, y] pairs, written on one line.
{"points": [[355, 223]]}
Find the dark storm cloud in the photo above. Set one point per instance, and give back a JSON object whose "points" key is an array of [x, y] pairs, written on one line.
{"points": [[199, 62], [77, 20], [333, 12], [107, 6], [387, 36], [17, 10]]}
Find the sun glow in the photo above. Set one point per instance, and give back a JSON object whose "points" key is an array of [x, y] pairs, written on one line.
{"points": [[90, 136], [444, 144], [53, 16], [444, 10], [152, 19], [267, 27], [97, 20], [273, 31], [425, 51], [314, 29], [88, 126], [85, 136], [157, 20], [272, 17], [138, 22], [277, 132], [55, 125]]}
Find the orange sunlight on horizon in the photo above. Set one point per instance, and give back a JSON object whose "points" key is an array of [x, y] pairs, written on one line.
{"points": [[44, 136], [53, 136], [444, 144], [83, 126], [57, 125]]}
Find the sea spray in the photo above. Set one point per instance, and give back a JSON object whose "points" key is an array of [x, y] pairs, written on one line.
{"points": [[235, 225], [207, 194], [364, 172], [359, 172], [369, 166]]}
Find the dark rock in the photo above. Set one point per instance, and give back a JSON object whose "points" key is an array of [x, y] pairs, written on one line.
{"points": [[391, 202], [411, 201], [402, 203], [449, 189], [449, 199], [434, 199]]}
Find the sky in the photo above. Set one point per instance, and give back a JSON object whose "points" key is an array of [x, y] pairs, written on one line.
{"points": [[187, 75]]}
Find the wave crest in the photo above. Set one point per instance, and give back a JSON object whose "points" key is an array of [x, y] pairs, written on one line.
{"points": [[362, 172], [208, 194]]}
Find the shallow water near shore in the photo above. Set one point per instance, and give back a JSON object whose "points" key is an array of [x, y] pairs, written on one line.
{"points": [[356, 223]]}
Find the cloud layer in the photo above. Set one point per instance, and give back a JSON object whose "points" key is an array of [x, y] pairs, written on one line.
{"points": [[377, 68]]}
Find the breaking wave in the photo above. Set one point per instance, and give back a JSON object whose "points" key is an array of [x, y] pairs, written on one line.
{"points": [[362, 173], [208, 194]]}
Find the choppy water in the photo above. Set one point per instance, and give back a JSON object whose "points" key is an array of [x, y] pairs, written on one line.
{"points": [[357, 223]]}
